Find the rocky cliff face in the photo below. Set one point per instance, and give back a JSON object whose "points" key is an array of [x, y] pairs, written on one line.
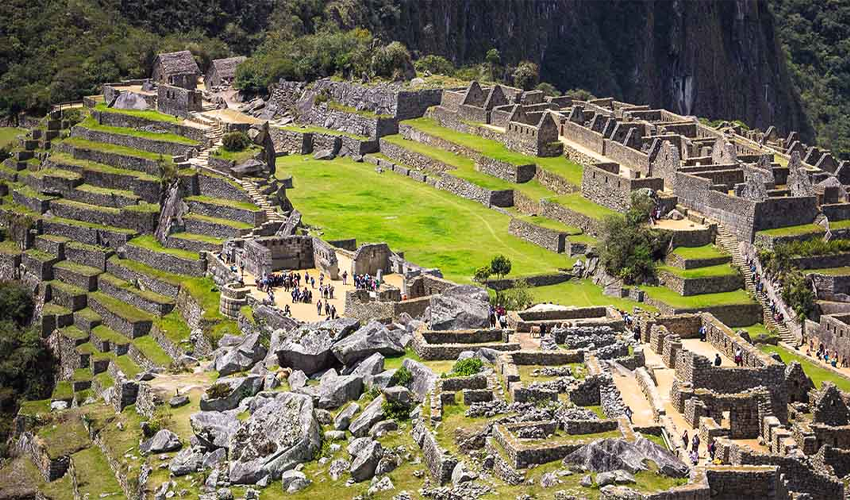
{"points": [[714, 59]]}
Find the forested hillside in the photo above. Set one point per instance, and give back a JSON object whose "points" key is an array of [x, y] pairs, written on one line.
{"points": [[721, 60]]}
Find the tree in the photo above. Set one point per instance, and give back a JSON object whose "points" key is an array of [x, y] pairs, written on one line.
{"points": [[798, 294], [482, 274], [500, 266], [16, 304], [392, 61], [526, 75], [579, 94], [435, 65], [493, 59], [548, 89], [629, 247]]}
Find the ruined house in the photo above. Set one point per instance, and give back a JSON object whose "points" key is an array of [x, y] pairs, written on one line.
{"points": [[222, 72], [178, 69]]}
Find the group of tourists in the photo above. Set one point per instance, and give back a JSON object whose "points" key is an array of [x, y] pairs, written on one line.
{"points": [[363, 281], [498, 317], [329, 309], [694, 448], [831, 358], [758, 279]]}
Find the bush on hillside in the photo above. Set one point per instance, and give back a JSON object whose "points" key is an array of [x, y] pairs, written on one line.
{"points": [[436, 65], [235, 141], [467, 367]]}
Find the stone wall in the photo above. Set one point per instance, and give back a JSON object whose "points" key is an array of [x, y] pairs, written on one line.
{"points": [[757, 481], [605, 186], [216, 186], [564, 215], [165, 148], [465, 189], [382, 99], [290, 141], [449, 345], [372, 127], [177, 101], [540, 236], [697, 286], [118, 160], [440, 462], [167, 262], [117, 119]]}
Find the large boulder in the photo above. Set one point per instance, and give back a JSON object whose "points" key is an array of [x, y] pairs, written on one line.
{"points": [[337, 391], [370, 416], [368, 340], [130, 100], [161, 442], [226, 393], [279, 435], [294, 481], [214, 428], [608, 455], [189, 460], [366, 461], [370, 367], [423, 378], [343, 418], [463, 307], [399, 395], [308, 348], [240, 357]]}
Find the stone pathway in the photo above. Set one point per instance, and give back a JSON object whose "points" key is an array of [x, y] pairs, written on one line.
{"points": [[634, 398]]}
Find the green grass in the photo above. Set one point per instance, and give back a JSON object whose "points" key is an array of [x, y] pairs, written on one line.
{"points": [[90, 225], [36, 407], [548, 224], [105, 333], [65, 437], [62, 390], [77, 268], [831, 271], [76, 245], [92, 124], [104, 380], [54, 310], [9, 134], [815, 371], [148, 242], [577, 203], [56, 172], [146, 114], [127, 365], [81, 374], [143, 207], [700, 272], [559, 165], [94, 477], [248, 312], [198, 237], [706, 300], [9, 247], [28, 192], [582, 293], [39, 255], [152, 351], [147, 295], [325, 131], [223, 202], [236, 156], [88, 188], [121, 308], [794, 230], [121, 150], [434, 228], [703, 252], [74, 333], [64, 159], [85, 206], [438, 367], [222, 222], [174, 327]]}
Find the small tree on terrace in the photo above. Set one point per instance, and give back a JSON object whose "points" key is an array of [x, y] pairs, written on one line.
{"points": [[500, 266]]}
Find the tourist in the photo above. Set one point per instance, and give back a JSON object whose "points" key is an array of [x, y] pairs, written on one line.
{"points": [[333, 311], [492, 316], [327, 308], [636, 334], [287, 311], [702, 333], [628, 412], [717, 360], [685, 439], [319, 307], [739, 357], [344, 277], [695, 443], [694, 457], [712, 449], [331, 290]]}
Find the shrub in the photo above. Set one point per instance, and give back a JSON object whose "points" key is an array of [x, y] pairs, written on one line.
{"points": [[235, 141], [73, 115], [218, 390], [580, 94], [467, 367], [630, 247], [548, 89], [392, 61], [526, 75], [16, 303], [396, 411], [517, 298], [402, 376], [798, 294], [435, 64]]}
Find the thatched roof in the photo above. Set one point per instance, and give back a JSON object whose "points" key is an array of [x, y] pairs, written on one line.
{"points": [[226, 68], [177, 63]]}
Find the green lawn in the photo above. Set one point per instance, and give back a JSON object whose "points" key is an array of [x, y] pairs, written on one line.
{"points": [[703, 252], [673, 299], [92, 124], [244, 205], [559, 164], [700, 272], [65, 159], [577, 203], [348, 109], [146, 114], [8, 134], [548, 223], [831, 271], [94, 477], [236, 156], [582, 293], [434, 228], [235, 224], [817, 373], [794, 230]]}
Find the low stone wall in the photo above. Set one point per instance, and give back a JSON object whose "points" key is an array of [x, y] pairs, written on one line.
{"points": [[532, 281], [569, 217], [114, 267], [165, 148], [253, 217], [540, 236], [450, 350], [167, 262], [465, 189], [677, 260], [413, 159], [734, 315], [290, 141], [698, 286], [9, 263], [353, 123], [216, 186], [555, 182], [117, 119], [440, 462]]}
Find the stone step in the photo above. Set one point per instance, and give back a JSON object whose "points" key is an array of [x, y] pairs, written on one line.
{"points": [[66, 295], [121, 317], [86, 319], [171, 260], [145, 300], [220, 228], [75, 335], [194, 242], [106, 339], [39, 264], [86, 232], [106, 197], [72, 273], [52, 244], [88, 255]]}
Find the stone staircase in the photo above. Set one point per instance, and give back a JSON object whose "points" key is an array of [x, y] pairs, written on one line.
{"points": [[728, 242], [261, 201]]}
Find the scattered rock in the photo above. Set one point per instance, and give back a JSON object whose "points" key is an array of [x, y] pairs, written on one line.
{"points": [[240, 357], [587, 481], [549, 480], [58, 405], [399, 395], [383, 484], [423, 378], [382, 428], [339, 390], [371, 415], [178, 401], [226, 393], [338, 468], [189, 460], [343, 418], [366, 461], [461, 474], [368, 340], [334, 435], [163, 441], [294, 481], [324, 154], [463, 307], [213, 429]]}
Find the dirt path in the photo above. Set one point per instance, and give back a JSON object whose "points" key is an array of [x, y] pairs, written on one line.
{"points": [[634, 398]]}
